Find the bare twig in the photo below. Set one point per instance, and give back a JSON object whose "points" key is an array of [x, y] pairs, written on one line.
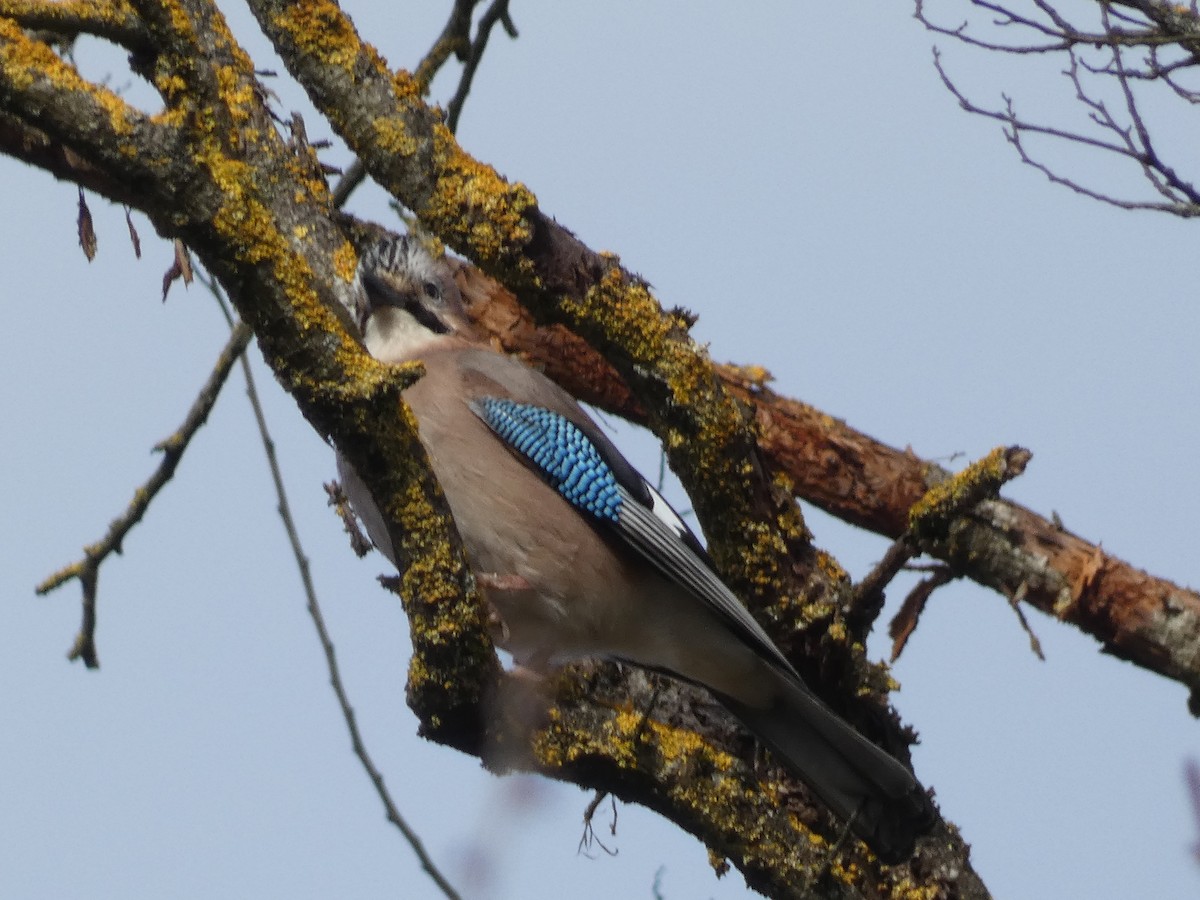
{"points": [[314, 610], [134, 240], [1015, 603], [588, 838], [905, 621], [351, 179], [869, 593], [87, 569], [455, 40], [1167, 37], [1191, 774], [87, 231], [341, 505], [496, 13]]}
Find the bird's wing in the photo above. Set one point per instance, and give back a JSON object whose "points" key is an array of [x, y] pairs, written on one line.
{"points": [[555, 438]]}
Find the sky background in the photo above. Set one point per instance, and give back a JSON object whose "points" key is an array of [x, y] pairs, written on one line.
{"points": [[798, 177]]}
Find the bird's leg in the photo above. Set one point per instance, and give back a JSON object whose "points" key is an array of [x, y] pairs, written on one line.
{"points": [[501, 590], [493, 584]]}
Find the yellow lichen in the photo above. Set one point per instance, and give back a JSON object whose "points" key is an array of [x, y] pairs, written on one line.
{"points": [[929, 515], [237, 92], [907, 889], [630, 318], [468, 191], [830, 568], [404, 85], [27, 62], [320, 29], [345, 261], [391, 136]]}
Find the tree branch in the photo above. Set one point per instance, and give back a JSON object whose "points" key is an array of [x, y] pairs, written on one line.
{"points": [[112, 20], [87, 570], [407, 149], [1170, 36], [497, 13]]}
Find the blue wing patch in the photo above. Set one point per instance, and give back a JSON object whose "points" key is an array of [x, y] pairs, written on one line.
{"points": [[578, 469], [559, 450]]}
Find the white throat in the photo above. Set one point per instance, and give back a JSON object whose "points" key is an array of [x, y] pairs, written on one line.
{"points": [[393, 335]]}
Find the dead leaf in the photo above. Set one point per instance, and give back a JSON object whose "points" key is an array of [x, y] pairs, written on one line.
{"points": [[87, 233], [184, 260], [180, 268], [133, 235]]}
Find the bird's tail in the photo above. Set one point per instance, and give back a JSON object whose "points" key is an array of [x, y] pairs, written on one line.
{"points": [[885, 804]]}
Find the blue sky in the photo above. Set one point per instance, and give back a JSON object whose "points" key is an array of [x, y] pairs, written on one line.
{"points": [[806, 185]]}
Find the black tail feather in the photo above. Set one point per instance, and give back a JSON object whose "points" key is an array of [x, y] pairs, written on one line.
{"points": [[886, 806]]}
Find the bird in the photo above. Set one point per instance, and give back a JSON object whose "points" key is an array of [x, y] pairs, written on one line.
{"points": [[579, 557]]}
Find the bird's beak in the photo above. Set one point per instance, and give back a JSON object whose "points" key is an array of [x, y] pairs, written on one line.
{"points": [[382, 292]]}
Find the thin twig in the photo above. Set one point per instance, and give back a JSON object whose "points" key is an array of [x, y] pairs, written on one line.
{"points": [[1015, 127], [868, 594], [589, 832], [496, 13], [1168, 36], [351, 179], [904, 623], [87, 570], [1015, 603], [314, 610], [1191, 775], [455, 40]]}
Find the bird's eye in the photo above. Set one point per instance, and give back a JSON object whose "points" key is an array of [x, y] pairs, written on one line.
{"points": [[431, 290]]}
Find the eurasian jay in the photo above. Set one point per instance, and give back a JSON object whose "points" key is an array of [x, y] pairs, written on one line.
{"points": [[580, 557]]}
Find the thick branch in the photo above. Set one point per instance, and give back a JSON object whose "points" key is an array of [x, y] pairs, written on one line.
{"points": [[257, 211], [754, 527], [48, 96], [691, 763], [113, 20]]}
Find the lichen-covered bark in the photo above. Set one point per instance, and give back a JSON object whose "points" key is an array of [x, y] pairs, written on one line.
{"points": [[688, 760]]}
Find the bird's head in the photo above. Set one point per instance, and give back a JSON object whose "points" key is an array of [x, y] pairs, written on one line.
{"points": [[408, 299]]}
